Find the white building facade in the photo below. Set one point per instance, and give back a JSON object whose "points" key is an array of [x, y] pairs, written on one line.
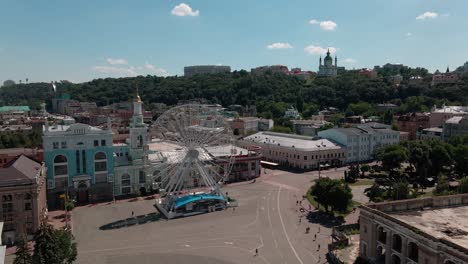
{"points": [[361, 142]]}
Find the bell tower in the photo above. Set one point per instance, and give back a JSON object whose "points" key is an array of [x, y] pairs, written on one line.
{"points": [[138, 130]]}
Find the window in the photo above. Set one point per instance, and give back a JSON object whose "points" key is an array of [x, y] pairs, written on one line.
{"points": [[60, 165], [142, 177], [64, 144], [100, 162], [125, 180], [55, 145], [96, 143], [83, 158], [77, 159], [27, 206], [305, 157], [103, 142]]}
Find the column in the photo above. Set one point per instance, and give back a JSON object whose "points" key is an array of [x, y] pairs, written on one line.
{"points": [[388, 247], [404, 249]]}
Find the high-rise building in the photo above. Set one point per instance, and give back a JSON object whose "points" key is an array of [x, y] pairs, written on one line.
{"points": [[205, 69]]}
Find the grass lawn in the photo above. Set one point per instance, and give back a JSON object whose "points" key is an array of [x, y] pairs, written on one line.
{"points": [[362, 182], [335, 213]]}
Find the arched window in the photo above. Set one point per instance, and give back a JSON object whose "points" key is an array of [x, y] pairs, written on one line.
{"points": [[100, 167], [60, 165], [396, 243], [396, 259], [60, 159], [126, 184], [382, 235], [413, 251], [140, 141]]}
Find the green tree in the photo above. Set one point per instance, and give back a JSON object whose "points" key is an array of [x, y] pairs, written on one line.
{"points": [[392, 156], [400, 190], [22, 255], [332, 194], [54, 246], [463, 188], [442, 186]]}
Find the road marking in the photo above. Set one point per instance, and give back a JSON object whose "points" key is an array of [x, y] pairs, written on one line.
{"points": [[187, 245], [271, 225], [284, 228], [229, 243]]}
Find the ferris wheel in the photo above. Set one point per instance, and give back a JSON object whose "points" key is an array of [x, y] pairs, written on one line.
{"points": [[200, 158]]}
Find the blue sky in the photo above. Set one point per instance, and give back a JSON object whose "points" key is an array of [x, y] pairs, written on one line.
{"points": [[82, 40]]}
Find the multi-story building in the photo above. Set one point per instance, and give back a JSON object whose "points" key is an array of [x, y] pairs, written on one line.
{"points": [[307, 127], [79, 159], [244, 125], [14, 112], [190, 71], [299, 73], [444, 78], [327, 69], [23, 194], [457, 125], [273, 69], [429, 230], [265, 124], [412, 122], [361, 142], [438, 116], [294, 151], [368, 73], [430, 133]]}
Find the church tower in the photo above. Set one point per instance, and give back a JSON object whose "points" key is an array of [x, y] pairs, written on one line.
{"points": [[327, 69], [138, 130]]}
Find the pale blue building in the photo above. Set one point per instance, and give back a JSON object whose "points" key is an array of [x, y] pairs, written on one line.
{"points": [[79, 160]]}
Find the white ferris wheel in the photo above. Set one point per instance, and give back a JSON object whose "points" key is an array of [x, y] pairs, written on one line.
{"points": [[201, 158]]}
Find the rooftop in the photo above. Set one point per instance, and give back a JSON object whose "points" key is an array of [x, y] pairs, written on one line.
{"points": [[433, 129], [20, 171], [448, 223], [438, 218], [24, 108], [455, 119], [291, 141], [451, 109]]}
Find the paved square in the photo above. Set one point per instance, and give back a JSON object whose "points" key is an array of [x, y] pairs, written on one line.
{"points": [[267, 219]]}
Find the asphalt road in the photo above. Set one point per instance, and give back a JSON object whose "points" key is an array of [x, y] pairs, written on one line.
{"points": [[267, 219]]}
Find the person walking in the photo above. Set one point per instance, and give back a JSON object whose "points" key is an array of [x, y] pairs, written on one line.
{"points": [[256, 252], [133, 213], [315, 237], [318, 247]]}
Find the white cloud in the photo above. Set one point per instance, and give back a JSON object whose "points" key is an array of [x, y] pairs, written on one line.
{"points": [[113, 70], [112, 61], [184, 10], [409, 34], [130, 71], [328, 25], [427, 15], [155, 70], [349, 61], [317, 50], [325, 25], [314, 22], [279, 45]]}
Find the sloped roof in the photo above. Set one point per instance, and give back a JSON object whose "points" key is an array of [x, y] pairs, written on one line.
{"points": [[22, 170]]}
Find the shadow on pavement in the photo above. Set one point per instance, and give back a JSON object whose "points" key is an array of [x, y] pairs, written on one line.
{"points": [[131, 221], [324, 219]]}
